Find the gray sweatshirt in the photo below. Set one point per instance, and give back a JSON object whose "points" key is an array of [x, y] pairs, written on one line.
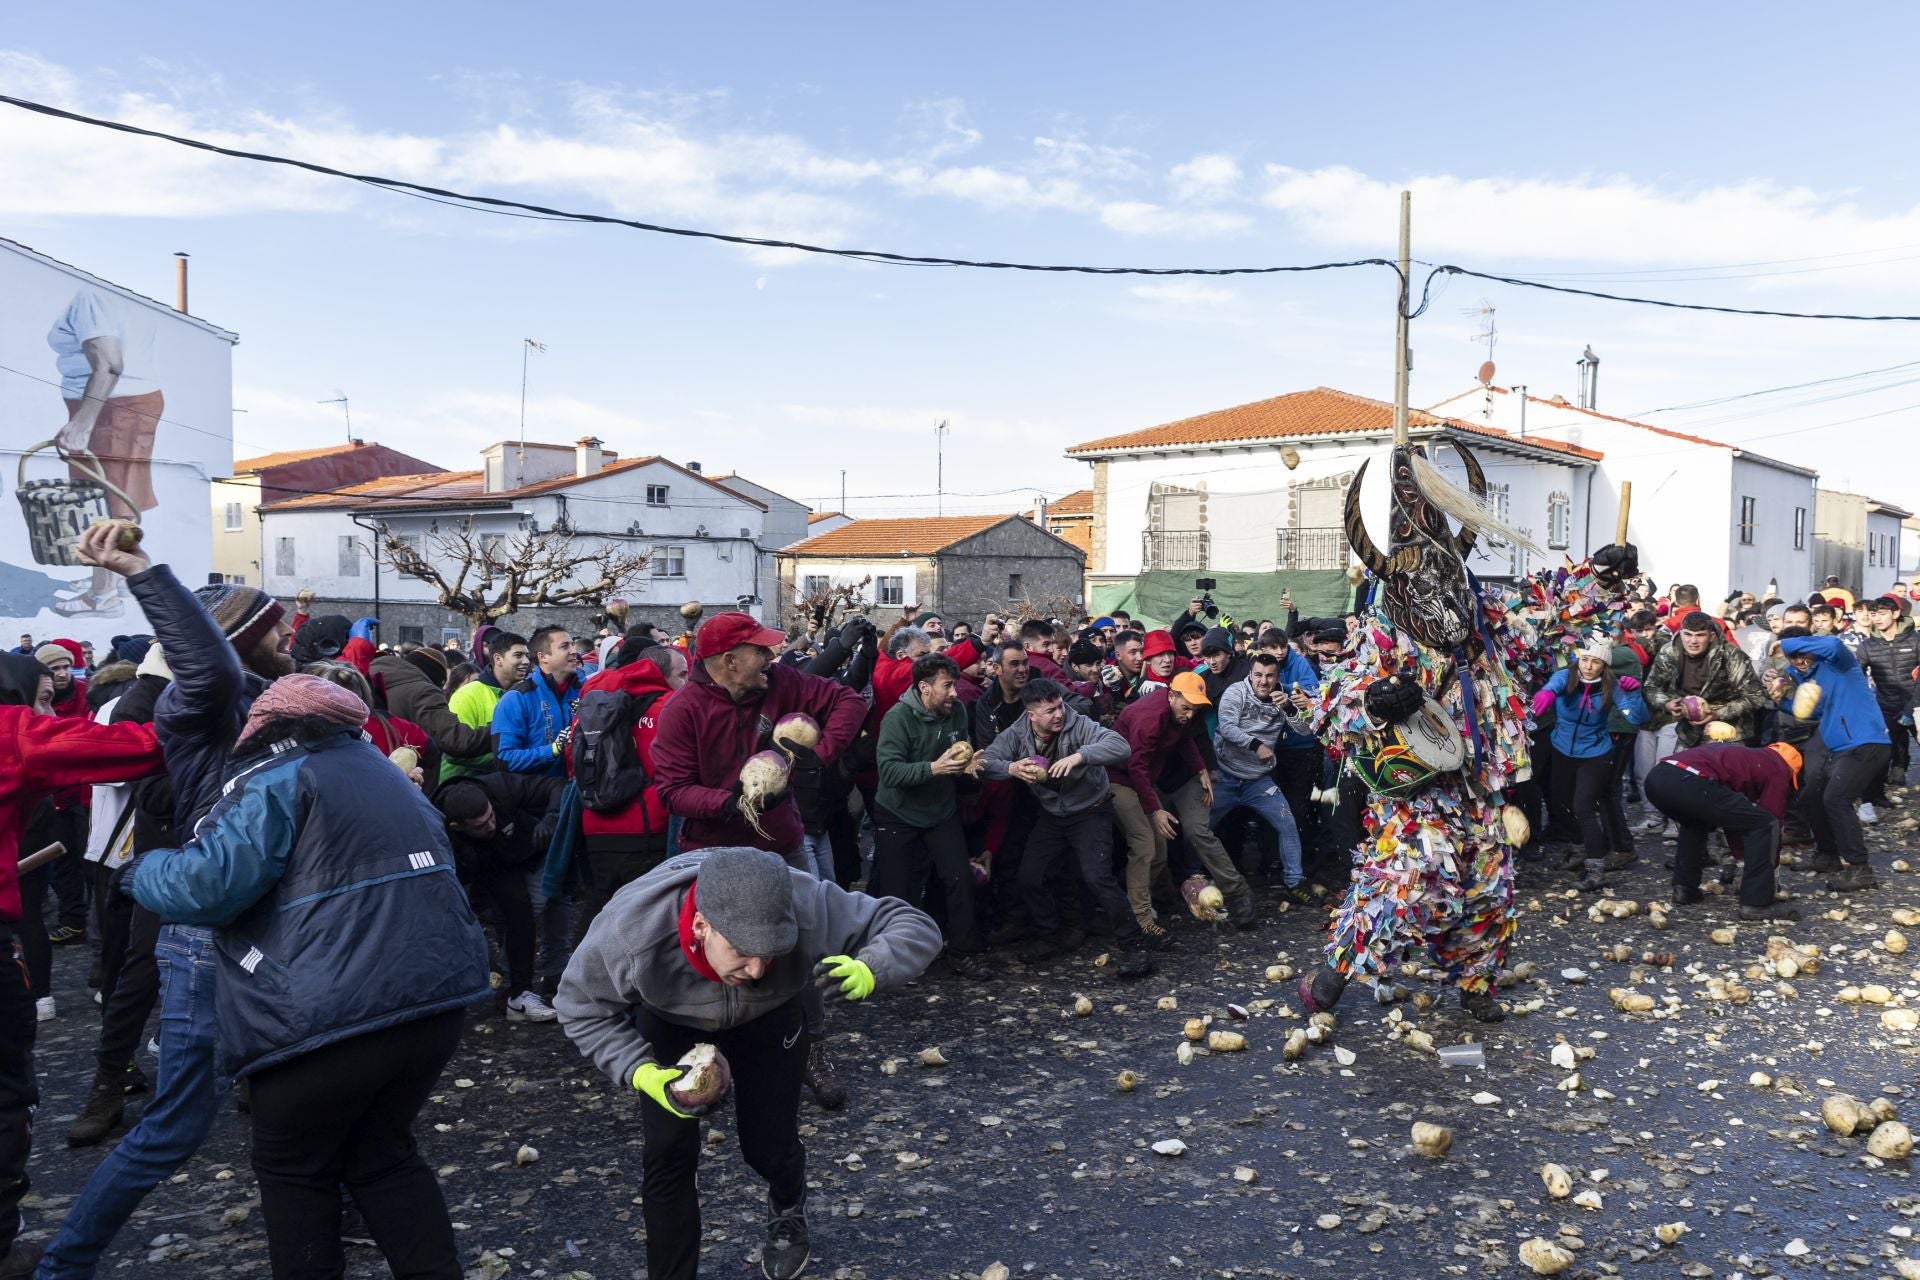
{"points": [[1080, 790], [631, 956], [1245, 719]]}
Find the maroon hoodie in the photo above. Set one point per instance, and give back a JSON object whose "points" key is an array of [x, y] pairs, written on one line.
{"points": [[1755, 772], [704, 736], [1149, 728]]}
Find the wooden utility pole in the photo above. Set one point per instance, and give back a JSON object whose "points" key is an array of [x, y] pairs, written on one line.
{"points": [[1404, 299], [1626, 504]]}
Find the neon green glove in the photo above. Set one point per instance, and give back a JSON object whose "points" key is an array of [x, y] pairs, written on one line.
{"points": [[652, 1079], [843, 978]]}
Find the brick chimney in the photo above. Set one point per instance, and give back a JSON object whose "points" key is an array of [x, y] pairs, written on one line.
{"points": [[586, 456]]}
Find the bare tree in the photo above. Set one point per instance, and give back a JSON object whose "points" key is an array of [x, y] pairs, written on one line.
{"points": [[484, 577], [822, 611], [1062, 607]]}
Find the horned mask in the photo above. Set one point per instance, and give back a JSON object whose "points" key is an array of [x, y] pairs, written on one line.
{"points": [[1423, 576]]}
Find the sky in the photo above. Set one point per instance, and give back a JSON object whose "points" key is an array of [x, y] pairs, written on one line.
{"points": [[1733, 155]]}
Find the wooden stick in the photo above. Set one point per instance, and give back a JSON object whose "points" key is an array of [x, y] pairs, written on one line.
{"points": [[1626, 504], [34, 861]]}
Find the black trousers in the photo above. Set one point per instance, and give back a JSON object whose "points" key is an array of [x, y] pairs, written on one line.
{"points": [[342, 1116], [1697, 806], [1613, 808], [1833, 782], [1087, 839], [904, 855], [1295, 770], [1580, 788], [1902, 754], [19, 1093], [503, 887], [129, 978], [68, 874], [35, 948], [612, 864], [767, 1057]]}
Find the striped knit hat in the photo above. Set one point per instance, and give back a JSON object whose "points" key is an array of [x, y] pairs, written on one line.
{"points": [[243, 614]]}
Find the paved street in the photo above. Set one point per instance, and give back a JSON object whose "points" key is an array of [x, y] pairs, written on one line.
{"points": [[1022, 1150]]}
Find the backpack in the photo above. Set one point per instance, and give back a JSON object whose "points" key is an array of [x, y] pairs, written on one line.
{"points": [[606, 763]]}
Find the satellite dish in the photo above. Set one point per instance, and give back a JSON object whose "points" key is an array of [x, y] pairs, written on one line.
{"points": [[1486, 373]]}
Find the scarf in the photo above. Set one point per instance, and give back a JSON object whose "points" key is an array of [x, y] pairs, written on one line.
{"points": [[689, 945]]}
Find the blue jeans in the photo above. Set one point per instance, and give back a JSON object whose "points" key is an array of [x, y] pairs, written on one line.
{"points": [[1262, 795], [816, 855], [674, 823], [186, 1101]]}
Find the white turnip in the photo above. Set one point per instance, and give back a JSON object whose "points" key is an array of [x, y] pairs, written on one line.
{"points": [[704, 1077], [796, 730], [763, 780]]}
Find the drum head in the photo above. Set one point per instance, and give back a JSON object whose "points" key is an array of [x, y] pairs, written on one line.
{"points": [[1432, 738]]}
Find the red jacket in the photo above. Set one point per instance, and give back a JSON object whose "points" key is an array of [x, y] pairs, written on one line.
{"points": [[1149, 728], [704, 736], [646, 815], [891, 676], [1673, 620], [40, 755]]}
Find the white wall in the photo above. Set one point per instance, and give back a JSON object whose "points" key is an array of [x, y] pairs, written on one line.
{"points": [[914, 575], [190, 364], [1248, 498], [1881, 572], [1683, 510], [1771, 556]]}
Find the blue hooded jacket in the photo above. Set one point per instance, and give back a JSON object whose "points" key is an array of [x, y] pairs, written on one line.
{"points": [[1295, 669], [330, 885], [527, 720], [1849, 714], [1579, 724]]}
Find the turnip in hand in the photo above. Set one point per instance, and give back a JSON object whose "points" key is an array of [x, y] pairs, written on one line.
{"points": [[763, 780], [704, 1078], [796, 730]]}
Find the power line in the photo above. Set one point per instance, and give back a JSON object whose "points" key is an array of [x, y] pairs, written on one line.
{"points": [[1450, 269], [1769, 391]]}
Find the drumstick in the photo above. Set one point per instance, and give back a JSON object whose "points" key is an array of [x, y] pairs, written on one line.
{"points": [[34, 861]]}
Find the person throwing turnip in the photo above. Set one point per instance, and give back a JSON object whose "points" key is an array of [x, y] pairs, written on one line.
{"points": [[690, 983], [706, 770]]}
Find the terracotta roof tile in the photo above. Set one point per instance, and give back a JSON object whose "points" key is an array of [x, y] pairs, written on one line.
{"points": [[1077, 503], [397, 492], [243, 466], [916, 537], [817, 516], [1561, 402], [1321, 411]]}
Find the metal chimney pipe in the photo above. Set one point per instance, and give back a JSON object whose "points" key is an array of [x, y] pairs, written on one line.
{"points": [[1593, 378], [180, 283]]}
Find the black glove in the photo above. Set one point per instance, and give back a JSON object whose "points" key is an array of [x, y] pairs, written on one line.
{"points": [[730, 807], [121, 881]]}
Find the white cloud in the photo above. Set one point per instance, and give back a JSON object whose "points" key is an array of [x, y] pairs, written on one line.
{"points": [[1141, 218], [1205, 178], [1185, 293]]}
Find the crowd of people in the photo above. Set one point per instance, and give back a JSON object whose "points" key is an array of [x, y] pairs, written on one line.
{"points": [[317, 855]]}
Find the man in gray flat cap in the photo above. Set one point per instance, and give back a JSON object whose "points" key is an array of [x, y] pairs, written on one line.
{"points": [[716, 946]]}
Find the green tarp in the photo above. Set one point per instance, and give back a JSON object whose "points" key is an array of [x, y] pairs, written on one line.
{"points": [[1161, 596]]}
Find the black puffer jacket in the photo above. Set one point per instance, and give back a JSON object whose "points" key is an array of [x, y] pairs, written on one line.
{"points": [[1890, 661]]}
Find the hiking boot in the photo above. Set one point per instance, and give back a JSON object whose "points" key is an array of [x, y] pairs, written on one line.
{"points": [[1154, 936], [1482, 1006], [20, 1261], [1625, 858], [65, 935], [1135, 964], [529, 1006], [106, 1106], [1778, 911], [820, 1077], [1008, 934], [1686, 897], [1824, 864], [1041, 950], [1853, 878], [787, 1249], [967, 965]]}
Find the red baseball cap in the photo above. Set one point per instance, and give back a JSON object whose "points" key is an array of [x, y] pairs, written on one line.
{"points": [[1156, 642], [724, 631]]}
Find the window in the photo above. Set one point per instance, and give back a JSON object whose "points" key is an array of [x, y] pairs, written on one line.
{"points": [[283, 557], [1747, 506], [1014, 591], [1873, 548], [237, 579], [349, 556], [889, 591], [816, 584], [493, 548], [1559, 521], [234, 521], [669, 562], [656, 495], [413, 635], [1799, 528]]}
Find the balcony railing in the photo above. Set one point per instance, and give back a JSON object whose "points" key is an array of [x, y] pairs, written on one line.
{"points": [[1311, 549], [1174, 549]]}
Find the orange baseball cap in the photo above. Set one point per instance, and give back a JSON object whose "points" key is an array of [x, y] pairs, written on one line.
{"points": [[1191, 687], [1791, 754]]}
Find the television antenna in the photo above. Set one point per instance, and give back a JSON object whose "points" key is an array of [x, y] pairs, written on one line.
{"points": [[1489, 332]]}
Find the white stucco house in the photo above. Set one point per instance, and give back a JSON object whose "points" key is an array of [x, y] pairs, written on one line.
{"points": [[1858, 540], [1262, 487], [706, 539], [1712, 514]]}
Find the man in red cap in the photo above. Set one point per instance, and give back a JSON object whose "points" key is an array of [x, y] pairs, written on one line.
{"points": [[1162, 662], [734, 695]]}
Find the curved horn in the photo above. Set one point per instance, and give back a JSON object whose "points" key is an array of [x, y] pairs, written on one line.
{"points": [[1357, 535], [1477, 482], [1415, 510]]}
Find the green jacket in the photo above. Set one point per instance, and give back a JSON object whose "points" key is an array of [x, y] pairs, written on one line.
{"points": [[1625, 663], [911, 739], [1733, 689], [472, 704]]}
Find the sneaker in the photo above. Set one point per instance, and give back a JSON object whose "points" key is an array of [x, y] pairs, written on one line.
{"points": [[20, 1261], [1134, 965], [136, 1080], [65, 935], [1686, 897], [1855, 877], [1671, 831], [529, 1006], [106, 1107], [1154, 936], [820, 1077], [44, 1010], [1824, 864], [965, 965], [1626, 858], [788, 1248], [1651, 825], [1299, 895], [1867, 815], [1778, 911]]}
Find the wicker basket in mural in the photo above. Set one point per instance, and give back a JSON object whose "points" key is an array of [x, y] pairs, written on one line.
{"points": [[58, 511]]}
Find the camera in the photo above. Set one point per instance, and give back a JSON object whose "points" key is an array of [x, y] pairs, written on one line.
{"points": [[1207, 606]]}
